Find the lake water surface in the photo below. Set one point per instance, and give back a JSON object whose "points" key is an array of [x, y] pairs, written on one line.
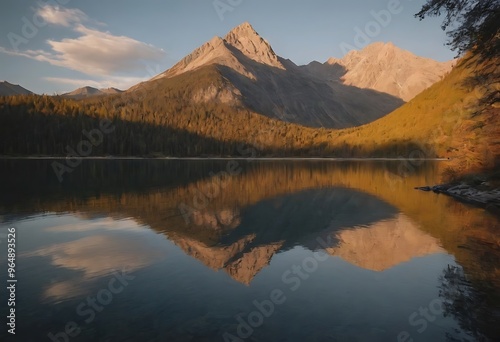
{"points": [[245, 251]]}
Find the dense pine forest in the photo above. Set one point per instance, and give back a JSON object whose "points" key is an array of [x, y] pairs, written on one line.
{"points": [[164, 121], [43, 125], [161, 119]]}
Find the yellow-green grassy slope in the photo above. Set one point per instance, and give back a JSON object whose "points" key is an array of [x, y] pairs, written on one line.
{"points": [[441, 121]]}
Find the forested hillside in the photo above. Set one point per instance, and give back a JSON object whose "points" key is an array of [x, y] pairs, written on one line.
{"points": [[162, 119], [166, 117]]}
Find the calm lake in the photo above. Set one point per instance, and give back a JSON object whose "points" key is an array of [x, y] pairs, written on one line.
{"points": [[166, 250]]}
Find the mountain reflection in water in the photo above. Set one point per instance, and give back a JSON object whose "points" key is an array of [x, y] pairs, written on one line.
{"points": [[390, 250]]}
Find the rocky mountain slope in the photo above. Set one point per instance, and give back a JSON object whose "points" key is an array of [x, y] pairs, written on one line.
{"points": [[386, 68], [361, 88], [8, 89], [449, 119], [384, 244], [263, 82]]}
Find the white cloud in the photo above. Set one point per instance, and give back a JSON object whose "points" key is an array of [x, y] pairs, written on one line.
{"points": [[94, 257], [101, 53], [93, 52], [125, 64], [61, 16], [39, 55], [99, 255], [100, 224]]}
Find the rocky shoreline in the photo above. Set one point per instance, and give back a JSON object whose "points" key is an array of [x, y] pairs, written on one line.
{"points": [[480, 195]]}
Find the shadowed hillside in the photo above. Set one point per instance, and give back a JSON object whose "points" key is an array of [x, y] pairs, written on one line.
{"points": [[450, 119]]}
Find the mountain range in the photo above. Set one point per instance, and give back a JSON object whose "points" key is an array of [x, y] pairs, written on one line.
{"points": [[331, 94], [355, 90], [236, 90], [9, 89], [386, 68], [85, 92]]}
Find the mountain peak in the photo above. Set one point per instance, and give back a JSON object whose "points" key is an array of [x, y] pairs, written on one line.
{"points": [[222, 51], [7, 89], [252, 45], [215, 41], [382, 46], [88, 91], [110, 90], [244, 29], [387, 68]]}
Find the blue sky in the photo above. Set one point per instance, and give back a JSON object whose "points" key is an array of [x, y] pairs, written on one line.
{"points": [[53, 46]]}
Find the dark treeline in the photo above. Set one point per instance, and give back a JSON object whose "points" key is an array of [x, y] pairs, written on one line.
{"points": [[167, 117], [27, 128], [161, 118]]}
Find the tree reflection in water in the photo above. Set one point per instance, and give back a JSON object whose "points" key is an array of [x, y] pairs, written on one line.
{"points": [[474, 307]]}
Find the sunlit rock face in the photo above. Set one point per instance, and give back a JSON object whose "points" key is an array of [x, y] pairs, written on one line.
{"points": [[247, 40], [386, 68], [240, 260], [244, 269], [255, 77], [384, 244], [214, 257]]}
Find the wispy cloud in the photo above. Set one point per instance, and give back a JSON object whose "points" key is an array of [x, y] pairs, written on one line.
{"points": [[101, 53], [95, 257], [39, 55], [61, 16], [93, 52]]}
